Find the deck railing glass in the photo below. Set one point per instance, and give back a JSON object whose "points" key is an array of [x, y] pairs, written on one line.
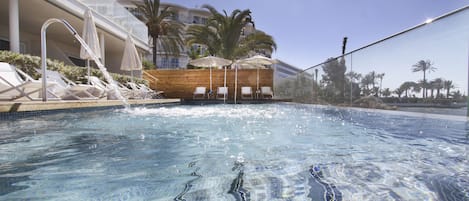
{"points": [[392, 70]]}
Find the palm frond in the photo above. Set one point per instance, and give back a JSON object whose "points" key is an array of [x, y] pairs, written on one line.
{"points": [[222, 34]]}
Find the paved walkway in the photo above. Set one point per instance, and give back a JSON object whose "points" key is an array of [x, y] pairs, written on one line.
{"points": [[25, 106]]}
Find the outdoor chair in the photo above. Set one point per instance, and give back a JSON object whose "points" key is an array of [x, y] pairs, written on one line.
{"points": [[199, 91], [69, 90], [266, 92], [222, 93], [14, 87], [137, 91], [109, 89], [151, 93], [246, 92]]}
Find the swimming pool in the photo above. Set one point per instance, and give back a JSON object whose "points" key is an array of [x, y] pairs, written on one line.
{"points": [[235, 152]]}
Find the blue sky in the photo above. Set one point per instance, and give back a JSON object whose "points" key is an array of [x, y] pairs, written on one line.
{"points": [[308, 32]]}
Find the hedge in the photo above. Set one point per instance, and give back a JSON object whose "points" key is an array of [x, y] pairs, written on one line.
{"points": [[29, 64]]}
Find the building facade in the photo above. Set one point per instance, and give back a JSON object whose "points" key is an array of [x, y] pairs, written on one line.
{"points": [[284, 70], [21, 23], [187, 16]]}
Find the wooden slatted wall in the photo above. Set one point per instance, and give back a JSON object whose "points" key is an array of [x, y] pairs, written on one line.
{"points": [[181, 83]]}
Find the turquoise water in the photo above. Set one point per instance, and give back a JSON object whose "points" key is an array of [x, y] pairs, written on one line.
{"points": [[235, 152]]}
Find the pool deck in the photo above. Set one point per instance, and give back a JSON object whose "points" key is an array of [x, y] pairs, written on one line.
{"points": [[220, 101], [28, 106]]}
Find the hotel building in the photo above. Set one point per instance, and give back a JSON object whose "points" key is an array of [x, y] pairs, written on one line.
{"points": [[21, 21]]}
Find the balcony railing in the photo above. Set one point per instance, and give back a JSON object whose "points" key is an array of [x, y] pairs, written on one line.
{"points": [[121, 16]]}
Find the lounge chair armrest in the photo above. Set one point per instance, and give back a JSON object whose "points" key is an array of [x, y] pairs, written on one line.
{"points": [[25, 75]]}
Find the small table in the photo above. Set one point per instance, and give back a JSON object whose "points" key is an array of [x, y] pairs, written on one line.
{"points": [[210, 94], [258, 92]]}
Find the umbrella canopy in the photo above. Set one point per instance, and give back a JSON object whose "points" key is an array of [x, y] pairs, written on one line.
{"points": [[255, 62], [90, 36], [210, 62], [258, 60], [130, 60]]}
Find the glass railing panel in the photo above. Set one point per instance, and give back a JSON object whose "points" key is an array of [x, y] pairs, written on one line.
{"points": [[391, 72], [302, 87], [119, 15], [397, 66]]}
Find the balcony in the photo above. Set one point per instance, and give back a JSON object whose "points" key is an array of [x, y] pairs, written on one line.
{"points": [[118, 14]]}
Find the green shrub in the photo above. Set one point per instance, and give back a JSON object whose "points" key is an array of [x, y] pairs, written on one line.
{"points": [[29, 64], [148, 65]]}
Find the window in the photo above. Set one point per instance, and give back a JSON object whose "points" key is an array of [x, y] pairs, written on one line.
{"points": [[174, 63], [203, 20], [135, 12], [77, 61], [4, 45], [196, 20], [164, 62], [175, 16]]}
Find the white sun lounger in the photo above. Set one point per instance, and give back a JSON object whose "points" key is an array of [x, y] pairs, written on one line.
{"points": [[14, 87], [137, 91], [69, 90], [199, 91], [266, 92], [150, 92], [222, 93], [108, 88], [246, 92]]}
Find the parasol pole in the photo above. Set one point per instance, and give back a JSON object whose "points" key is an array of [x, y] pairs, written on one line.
{"points": [[224, 85], [236, 82], [89, 70], [210, 79], [257, 78]]}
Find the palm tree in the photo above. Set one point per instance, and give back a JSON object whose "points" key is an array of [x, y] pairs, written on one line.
{"points": [[353, 76], [370, 79], [224, 35], [448, 85], [424, 66], [366, 81], [399, 92], [416, 87], [431, 86], [380, 77], [438, 85], [406, 86], [386, 92], [162, 28]]}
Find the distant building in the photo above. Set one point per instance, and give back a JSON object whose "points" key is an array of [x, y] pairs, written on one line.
{"points": [[22, 21], [283, 70], [188, 16]]}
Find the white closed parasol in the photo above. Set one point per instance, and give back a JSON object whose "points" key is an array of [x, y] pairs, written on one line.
{"points": [[90, 36]]}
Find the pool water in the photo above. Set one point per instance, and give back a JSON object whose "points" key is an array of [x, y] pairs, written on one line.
{"points": [[235, 152]]}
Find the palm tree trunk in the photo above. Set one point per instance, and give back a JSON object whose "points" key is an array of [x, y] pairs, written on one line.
{"points": [[155, 43], [380, 85], [424, 92]]}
